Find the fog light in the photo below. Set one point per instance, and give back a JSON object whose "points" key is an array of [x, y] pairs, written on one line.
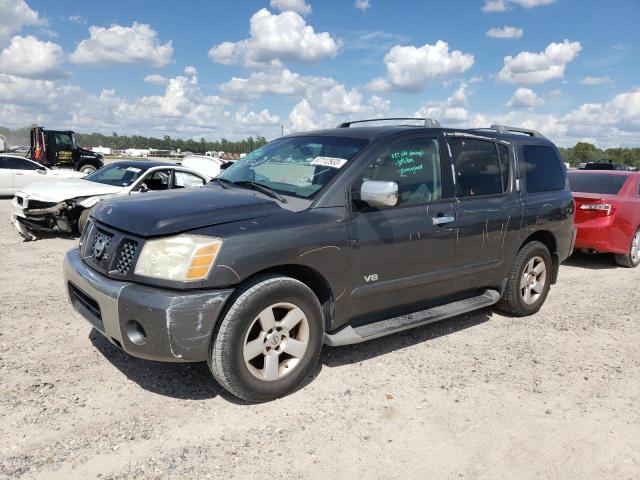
{"points": [[136, 332]]}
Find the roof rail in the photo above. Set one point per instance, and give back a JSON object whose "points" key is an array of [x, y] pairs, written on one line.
{"points": [[526, 131], [428, 122]]}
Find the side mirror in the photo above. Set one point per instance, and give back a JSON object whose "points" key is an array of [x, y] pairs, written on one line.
{"points": [[379, 194], [41, 171], [143, 188]]}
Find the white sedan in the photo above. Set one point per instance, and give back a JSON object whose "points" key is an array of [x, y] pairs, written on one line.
{"points": [[64, 206], [17, 172]]}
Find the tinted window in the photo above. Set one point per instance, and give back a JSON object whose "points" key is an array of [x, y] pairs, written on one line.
{"points": [[414, 165], [187, 180], [503, 153], [64, 140], [594, 183], [478, 169], [20, 164], [543, 169]]}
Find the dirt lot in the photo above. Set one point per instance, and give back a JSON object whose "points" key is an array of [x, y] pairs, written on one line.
{"points": [[480, 396]]}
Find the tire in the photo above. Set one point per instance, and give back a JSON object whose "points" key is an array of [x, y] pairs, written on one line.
{"points": [[82, 219], [631, 259], [515, 300], [87, 169], [248, 343]]}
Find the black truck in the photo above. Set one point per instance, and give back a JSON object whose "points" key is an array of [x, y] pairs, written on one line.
{"points": [[58, 148], [335, 236]]}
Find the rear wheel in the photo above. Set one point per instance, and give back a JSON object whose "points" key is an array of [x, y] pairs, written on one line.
{"points": [[269, 340], [631, 259], [529, 281]]}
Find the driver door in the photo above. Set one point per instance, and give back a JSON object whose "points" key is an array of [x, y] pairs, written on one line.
{"points": [[404, 254], [23, 171]]}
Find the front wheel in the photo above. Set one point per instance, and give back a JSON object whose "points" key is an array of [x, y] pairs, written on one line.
{"points": [[529, 281], [631, 259], [88, 169], [269, 340]]}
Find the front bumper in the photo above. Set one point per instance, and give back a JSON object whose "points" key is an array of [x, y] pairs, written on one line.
{"points": [[146, 322]]}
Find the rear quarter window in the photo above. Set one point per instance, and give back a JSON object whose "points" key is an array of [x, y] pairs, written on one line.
{"points": [[543, 169]]}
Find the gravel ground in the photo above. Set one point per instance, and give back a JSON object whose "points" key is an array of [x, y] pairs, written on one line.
{"points": [[479, 396]]}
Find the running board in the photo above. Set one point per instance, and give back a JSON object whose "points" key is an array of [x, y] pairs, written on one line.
{"points": [[349, 334]]}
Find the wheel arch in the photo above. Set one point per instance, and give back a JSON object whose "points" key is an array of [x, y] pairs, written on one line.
{"points": [[548, 239]]}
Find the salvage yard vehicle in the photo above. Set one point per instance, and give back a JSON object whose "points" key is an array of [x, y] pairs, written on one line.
{"points": [[335, 236], [212, 166], [58, 148], [17, 172], [608, 213], [64, 206]]}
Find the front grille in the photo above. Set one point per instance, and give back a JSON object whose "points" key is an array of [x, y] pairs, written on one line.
{"points": [[127, 253], [101, 237], [37, 204], [108, 251], [86, 305]]}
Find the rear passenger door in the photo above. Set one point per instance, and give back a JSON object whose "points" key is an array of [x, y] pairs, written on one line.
{"points": [[488, 209]]}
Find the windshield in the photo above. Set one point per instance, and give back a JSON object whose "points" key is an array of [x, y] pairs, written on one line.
{"points": [[594, 183], [118, 175], [296, 166]]}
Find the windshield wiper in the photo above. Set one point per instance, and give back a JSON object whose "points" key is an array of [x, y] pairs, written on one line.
{"points": [[221, 182], [261, 188]]}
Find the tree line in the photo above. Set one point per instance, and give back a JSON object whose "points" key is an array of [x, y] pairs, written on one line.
{"points": [[20, 136], [584, 152]]}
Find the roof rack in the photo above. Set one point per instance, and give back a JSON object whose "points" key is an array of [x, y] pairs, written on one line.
{"points": [[428, 122], [505, 129]]}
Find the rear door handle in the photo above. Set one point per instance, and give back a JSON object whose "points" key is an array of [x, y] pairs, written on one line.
{"points": [[443, 220]]}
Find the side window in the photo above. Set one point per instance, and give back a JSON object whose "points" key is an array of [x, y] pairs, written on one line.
{"points": [[64, 140], [503, 154], [158, 180], [20, 164], [3, 163], [478, 169], [543, 169], [187, 180], [414, 165]]}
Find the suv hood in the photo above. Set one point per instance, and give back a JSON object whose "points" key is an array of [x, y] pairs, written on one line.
{"points": [[60, 190], [154, 214]]}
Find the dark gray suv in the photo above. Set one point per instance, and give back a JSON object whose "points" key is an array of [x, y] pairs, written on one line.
{"points": [[335, 236]]}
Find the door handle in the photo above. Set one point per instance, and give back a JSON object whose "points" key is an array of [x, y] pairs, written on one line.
{"points": [[444, 219]]}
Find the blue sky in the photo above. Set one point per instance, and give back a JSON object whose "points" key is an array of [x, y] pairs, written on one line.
{"points": [[570, 68]]}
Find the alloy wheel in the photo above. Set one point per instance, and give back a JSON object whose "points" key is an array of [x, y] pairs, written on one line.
{"points": [[276, 341], [533, 280]]}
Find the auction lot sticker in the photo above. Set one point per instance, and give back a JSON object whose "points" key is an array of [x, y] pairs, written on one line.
{"points": [[332, 162]]}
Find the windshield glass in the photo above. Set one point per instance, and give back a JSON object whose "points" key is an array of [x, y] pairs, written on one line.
{"points": [[296, 166], [594, 183], [118, 175]]}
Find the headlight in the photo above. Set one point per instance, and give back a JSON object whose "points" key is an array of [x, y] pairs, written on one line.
{"points": [[183, 257]]}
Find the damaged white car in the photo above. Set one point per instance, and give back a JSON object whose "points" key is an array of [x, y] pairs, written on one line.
{"points": [[17, 172], [65, 206]]}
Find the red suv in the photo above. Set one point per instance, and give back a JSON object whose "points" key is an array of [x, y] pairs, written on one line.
{"points": [[608, 213]]}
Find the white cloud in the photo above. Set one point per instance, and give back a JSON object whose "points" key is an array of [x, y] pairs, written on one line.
{"points": [[138, 43], [32, 58], [409, 68], [190, 70], [525, 98], [595, 80], [492, 6], [505, 32], [362, 4], [15, 14], [298, 6], [156, 79], [275, 39], [302, 117], [280, 81], [536, 68]]}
